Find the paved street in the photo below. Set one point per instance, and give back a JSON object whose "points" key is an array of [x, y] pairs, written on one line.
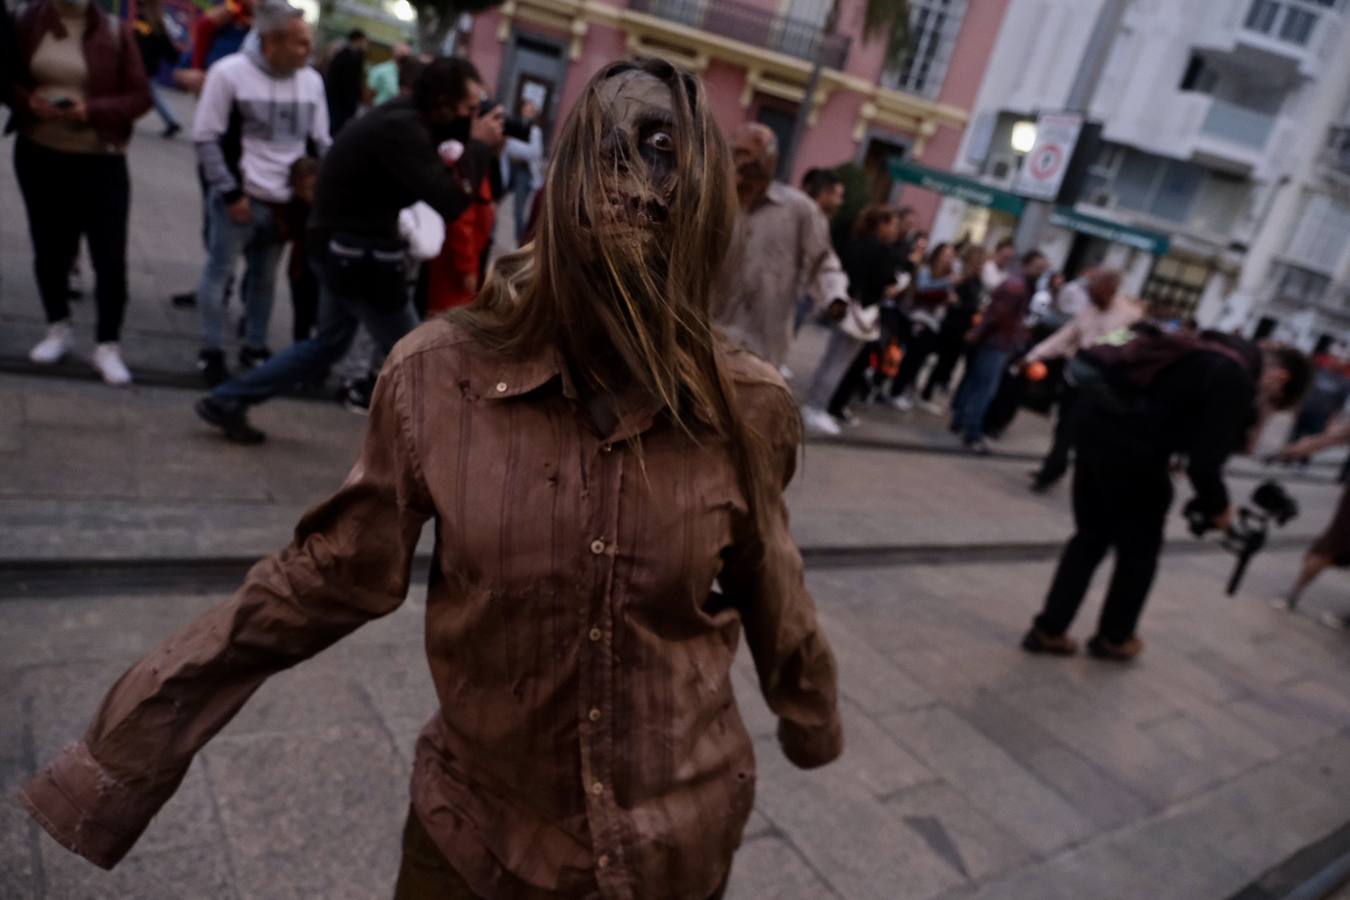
{"points": [[971, 769]]}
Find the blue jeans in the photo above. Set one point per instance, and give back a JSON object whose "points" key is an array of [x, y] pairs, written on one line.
{"points": [[258, 242], [978, 390], [162, 107], [340, 314]]}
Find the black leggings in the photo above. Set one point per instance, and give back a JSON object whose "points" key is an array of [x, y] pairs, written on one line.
{"points": [[70, 195]]}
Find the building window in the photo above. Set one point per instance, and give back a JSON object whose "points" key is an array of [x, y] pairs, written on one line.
{"points": [[1123, 178], [1288, 20], [933, 26], [1322, 235], [1296, 286], [1174, 287]]}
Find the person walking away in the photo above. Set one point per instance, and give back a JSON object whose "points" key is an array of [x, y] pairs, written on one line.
{"points": [[827, 189], [584, 493], [382, 78], [345, 80], [872, 280], [785, 243], [933, 293], [1001, 332], [1108, 311], [259, 112], [956, 325], [1332, 547], [524, 163], [78, 89], [1141, 403], [384, 162], [157, 51]]}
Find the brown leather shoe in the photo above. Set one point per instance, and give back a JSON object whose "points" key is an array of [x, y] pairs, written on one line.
{"points": [[1100, 648], [1038, 641]]}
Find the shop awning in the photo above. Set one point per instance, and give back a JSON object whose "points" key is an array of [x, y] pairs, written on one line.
{"points": [[1140, 238], [958, 186]]}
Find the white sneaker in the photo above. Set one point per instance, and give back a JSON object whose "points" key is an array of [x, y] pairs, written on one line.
{"points": [[55, 345], [108, 362], [902, 403], [821, 421]]}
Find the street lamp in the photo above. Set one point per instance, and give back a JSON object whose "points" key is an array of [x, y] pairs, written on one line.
{"points": [[1023, 136]]}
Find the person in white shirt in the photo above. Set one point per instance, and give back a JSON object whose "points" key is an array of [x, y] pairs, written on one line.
{"points": [[1107, 311], [997, 266], [259, 112]]}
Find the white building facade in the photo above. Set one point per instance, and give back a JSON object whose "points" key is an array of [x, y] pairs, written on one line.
{"points": [[1225, 137]]}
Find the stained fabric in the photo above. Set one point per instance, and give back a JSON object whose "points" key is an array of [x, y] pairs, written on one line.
{"points": [[587, 741]]}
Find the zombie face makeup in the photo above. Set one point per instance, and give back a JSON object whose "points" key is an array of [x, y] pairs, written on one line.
{"points": [[637, 151], [755, 156]]}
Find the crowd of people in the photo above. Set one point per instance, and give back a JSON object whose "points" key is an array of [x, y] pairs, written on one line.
{"points": [[269, 110]]}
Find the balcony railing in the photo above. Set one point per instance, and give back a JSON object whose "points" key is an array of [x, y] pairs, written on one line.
{"points": [[1239, 125], [753, 25]]}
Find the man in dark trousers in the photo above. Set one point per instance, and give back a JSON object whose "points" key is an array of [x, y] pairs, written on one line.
{"points": [[1143, 400], [386, 161], [345, 80]]}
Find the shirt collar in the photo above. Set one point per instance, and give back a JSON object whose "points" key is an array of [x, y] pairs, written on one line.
{"points": [[777, 192], [522, 375]]}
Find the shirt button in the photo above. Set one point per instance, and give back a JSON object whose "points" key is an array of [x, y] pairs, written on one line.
{"points": [[594, 715], [597, 546], [501, 387], [601, 861], [597, 788], [595, 634], [607, 447]]}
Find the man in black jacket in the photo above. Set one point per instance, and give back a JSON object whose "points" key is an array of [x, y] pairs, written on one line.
{"points": [[1144, 400], [385, 161]]}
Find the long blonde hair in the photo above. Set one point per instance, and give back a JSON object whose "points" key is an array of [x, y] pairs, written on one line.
{"points": [[632, 311]]}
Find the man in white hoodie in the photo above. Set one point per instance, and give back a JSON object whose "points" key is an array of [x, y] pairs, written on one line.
{"points": [[261, 109]]}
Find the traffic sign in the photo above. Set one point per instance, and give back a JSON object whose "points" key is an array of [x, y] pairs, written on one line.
{"points": [[1043, 169]]}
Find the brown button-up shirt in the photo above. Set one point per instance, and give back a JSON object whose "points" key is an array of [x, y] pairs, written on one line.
{"points": [[587, 742]]}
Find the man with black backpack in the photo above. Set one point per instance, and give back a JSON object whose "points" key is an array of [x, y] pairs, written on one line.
{"points": [[1145, 397]]}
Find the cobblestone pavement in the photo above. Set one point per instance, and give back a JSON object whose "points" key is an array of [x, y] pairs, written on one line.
{"points": [[971, 769]]}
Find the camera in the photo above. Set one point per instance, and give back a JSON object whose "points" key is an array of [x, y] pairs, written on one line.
{"points": [[1247, 534]]}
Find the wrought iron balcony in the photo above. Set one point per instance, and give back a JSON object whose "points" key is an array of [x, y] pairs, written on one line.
{"points": [[753, 25]]}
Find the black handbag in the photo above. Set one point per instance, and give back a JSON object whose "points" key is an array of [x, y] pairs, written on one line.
{"points": [[374, 269]]}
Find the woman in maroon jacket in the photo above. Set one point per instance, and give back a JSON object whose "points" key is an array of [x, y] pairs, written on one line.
{"points": [[78, 89]]}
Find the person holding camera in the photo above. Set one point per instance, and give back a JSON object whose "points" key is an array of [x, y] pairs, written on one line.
{"points": [[1145, 397], [1332, 547]]}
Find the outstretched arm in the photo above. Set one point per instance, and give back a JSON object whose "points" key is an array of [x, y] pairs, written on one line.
{"points": [[1338, 432], [349, 563]]}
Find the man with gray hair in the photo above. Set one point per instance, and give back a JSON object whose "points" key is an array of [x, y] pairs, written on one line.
{"points": [[260, 111], [786, 252]]}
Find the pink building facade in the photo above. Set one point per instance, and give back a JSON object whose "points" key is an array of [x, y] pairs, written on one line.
{"points": [[755, 58]]}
